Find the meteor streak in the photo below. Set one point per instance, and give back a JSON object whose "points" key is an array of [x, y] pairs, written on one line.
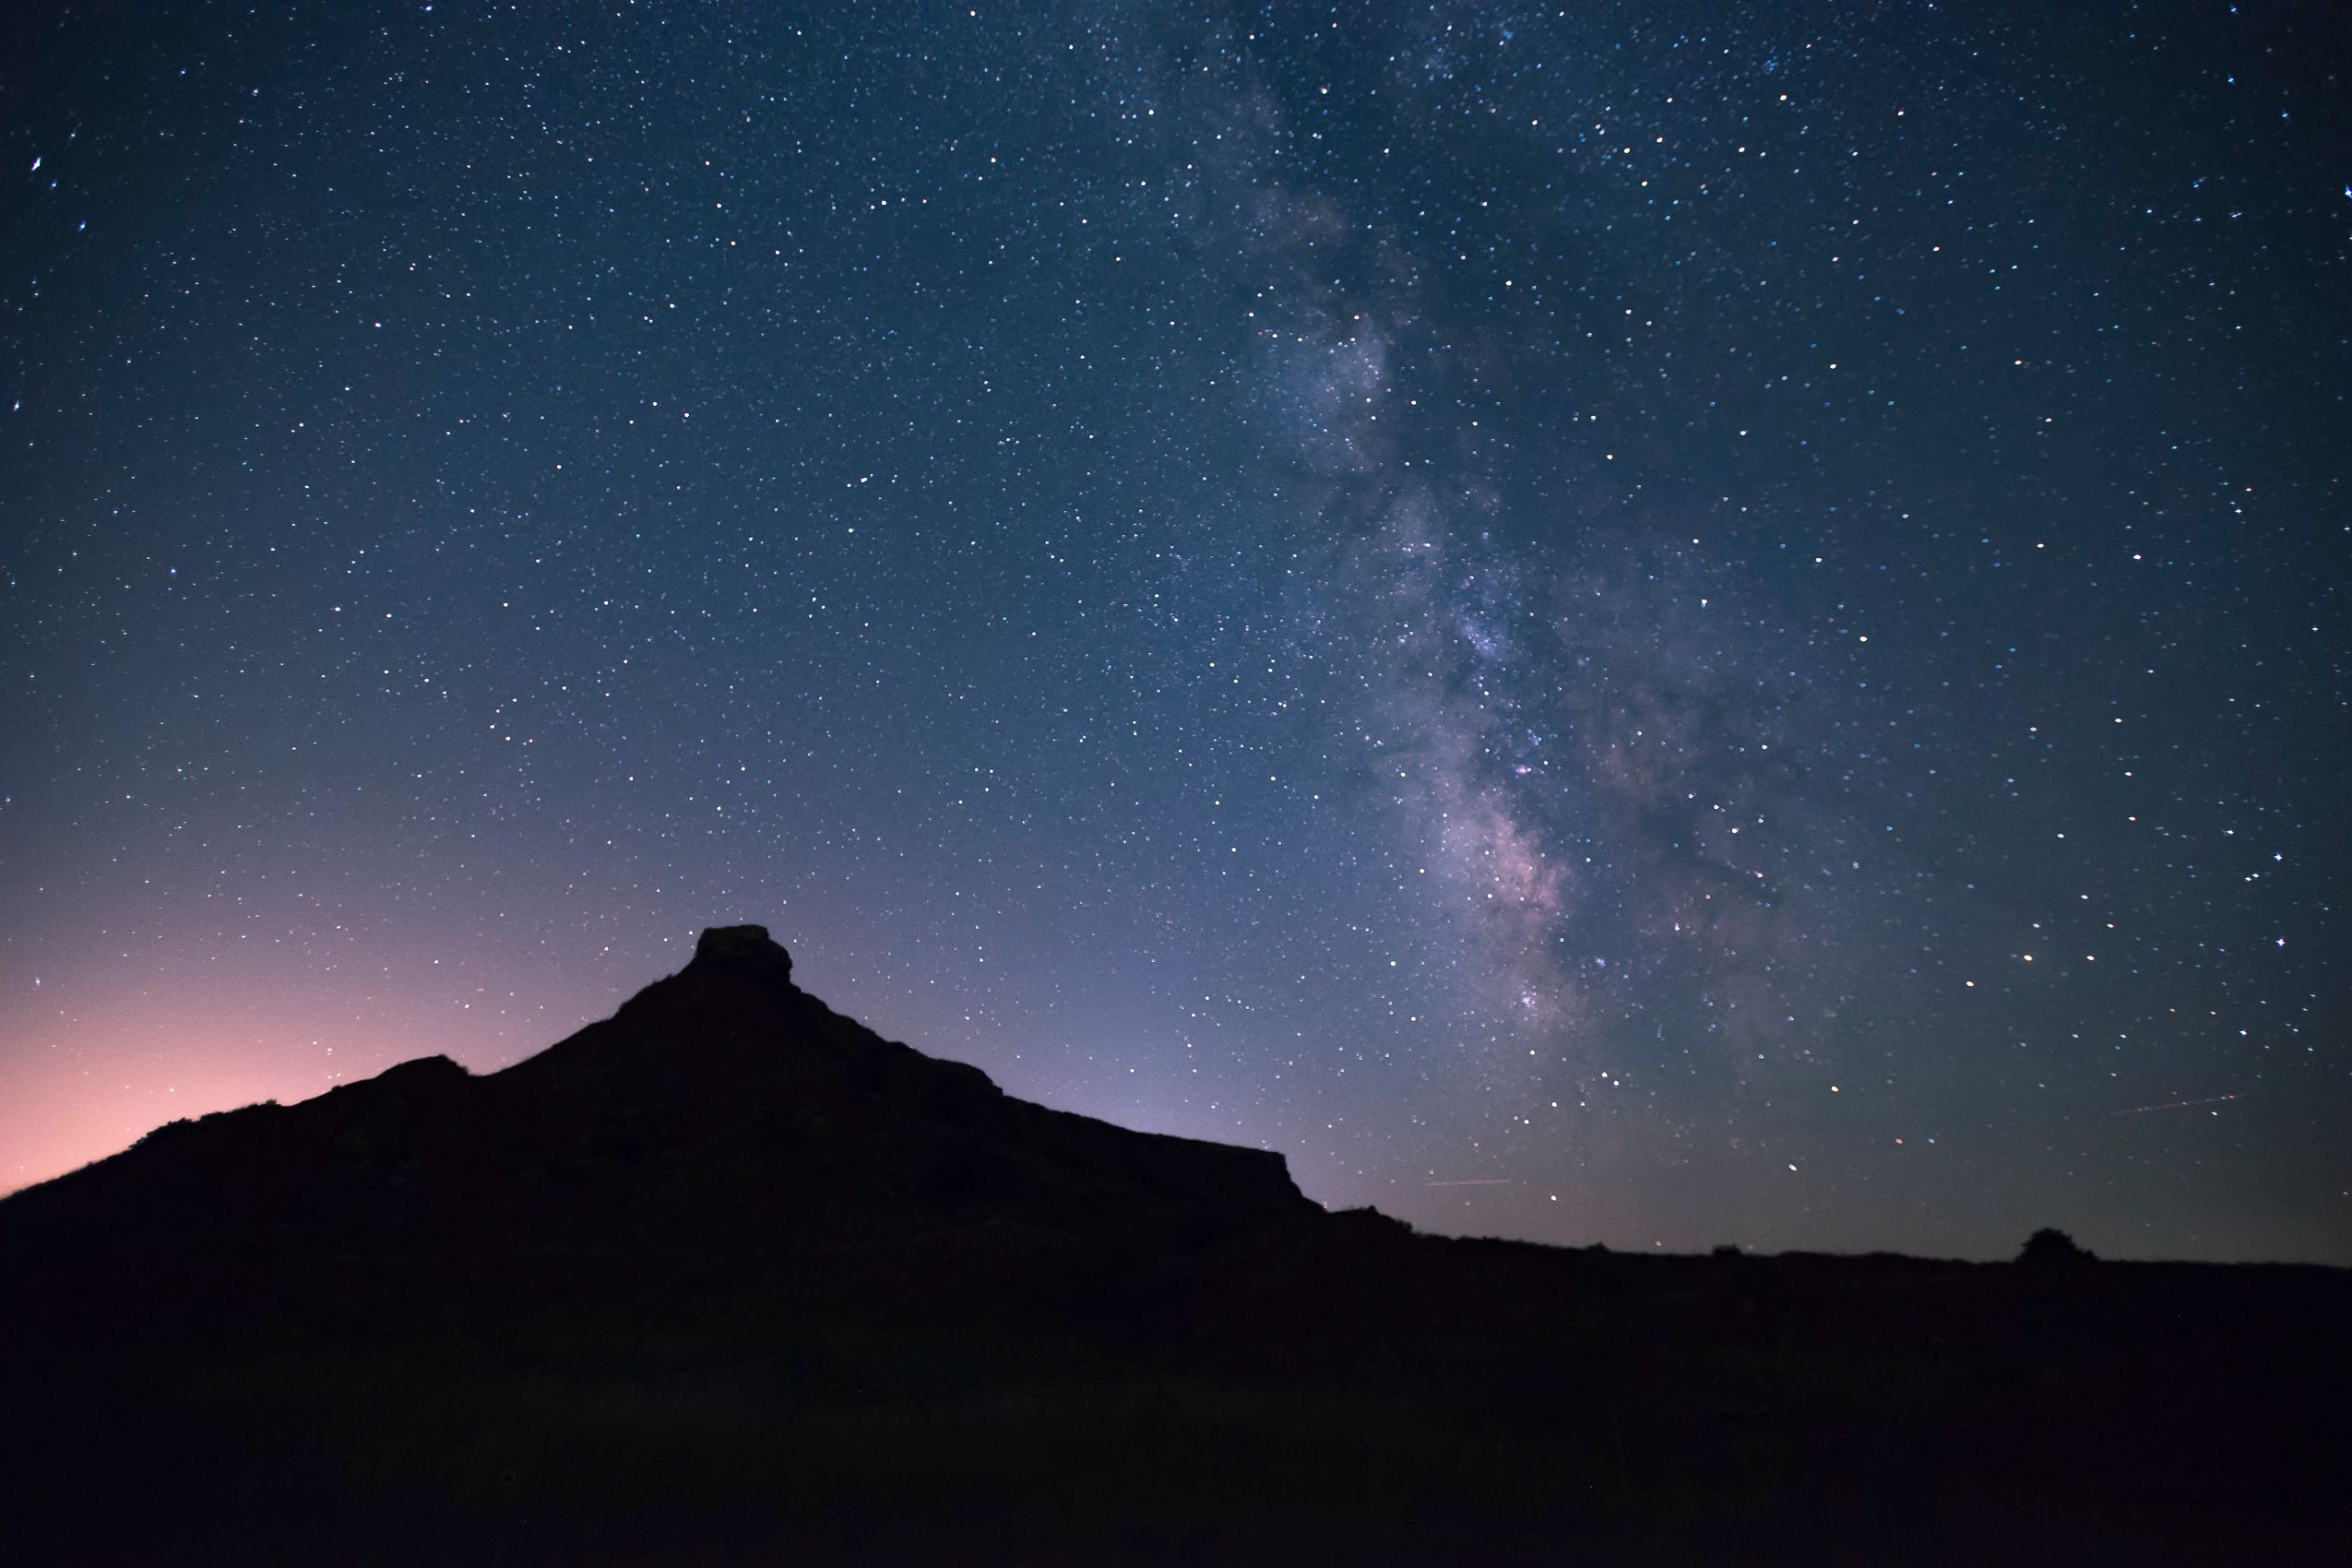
{"points": [[2173, 1105]]}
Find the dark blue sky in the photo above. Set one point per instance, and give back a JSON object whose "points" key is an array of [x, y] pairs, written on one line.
{"points": [[1639, 623]]}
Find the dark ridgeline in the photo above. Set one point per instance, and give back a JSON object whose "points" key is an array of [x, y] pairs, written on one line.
{"points": [[729, 1279], [724, 1132]]}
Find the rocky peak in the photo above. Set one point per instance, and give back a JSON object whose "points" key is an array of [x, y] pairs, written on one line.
{"points": [[744, 949]]}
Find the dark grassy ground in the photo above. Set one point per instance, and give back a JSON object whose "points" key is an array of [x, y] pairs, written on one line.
{"points": [[1383, 1400]]}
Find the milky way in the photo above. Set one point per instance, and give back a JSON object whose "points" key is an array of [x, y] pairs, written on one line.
{"points": [[1603, 623]]}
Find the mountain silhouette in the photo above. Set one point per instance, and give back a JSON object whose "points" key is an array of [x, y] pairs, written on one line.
{"points": [[723, 1120], [728, 1277]]}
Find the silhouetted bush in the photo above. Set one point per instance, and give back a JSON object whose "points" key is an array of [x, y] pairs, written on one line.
{"points": [[2048, 1246]]}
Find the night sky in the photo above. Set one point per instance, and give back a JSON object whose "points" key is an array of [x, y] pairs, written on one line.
{"points": [[1659, 624]]}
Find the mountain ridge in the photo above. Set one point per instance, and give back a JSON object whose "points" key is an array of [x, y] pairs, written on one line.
{"points": [[720, 1111]]}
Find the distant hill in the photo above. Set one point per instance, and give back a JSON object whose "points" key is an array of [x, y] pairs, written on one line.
{"points": [[728, 1277]]}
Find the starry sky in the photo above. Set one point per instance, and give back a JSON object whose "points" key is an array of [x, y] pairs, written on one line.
{"points": [[1669, 625]]}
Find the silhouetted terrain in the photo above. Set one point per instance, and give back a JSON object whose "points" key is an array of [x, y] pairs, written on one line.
{"points": [[729, 1278]]}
